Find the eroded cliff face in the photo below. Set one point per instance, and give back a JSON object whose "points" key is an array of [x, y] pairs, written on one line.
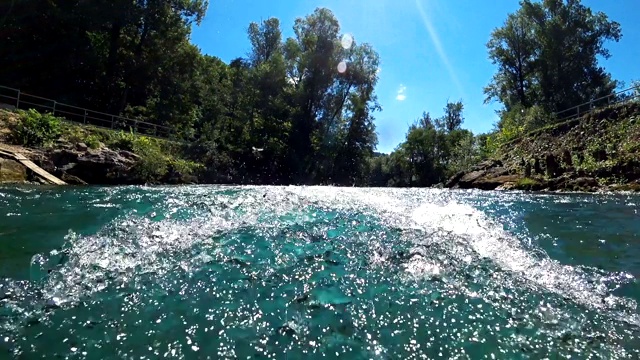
{"points": [[599, 151]]}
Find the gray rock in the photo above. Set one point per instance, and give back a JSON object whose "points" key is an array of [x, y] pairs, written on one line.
{"points": [[81, 147], [469, 178], [95, 166]]}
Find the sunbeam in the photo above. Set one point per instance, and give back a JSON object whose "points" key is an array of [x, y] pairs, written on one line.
{"points": [[433, 34]]}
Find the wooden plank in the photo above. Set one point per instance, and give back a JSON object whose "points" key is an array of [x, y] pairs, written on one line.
{"points": [[42, 173], [19, 157], [33, 167]]}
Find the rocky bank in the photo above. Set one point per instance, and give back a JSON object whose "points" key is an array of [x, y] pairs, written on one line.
{"points": [[597, 152], [79, 165], [74, 164]]}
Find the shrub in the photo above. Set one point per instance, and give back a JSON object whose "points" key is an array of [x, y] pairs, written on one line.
{"points": [[123, 141], [527, 184], [92, 141], [35, 129], [153, 164], [518, 122], [185, 167]]}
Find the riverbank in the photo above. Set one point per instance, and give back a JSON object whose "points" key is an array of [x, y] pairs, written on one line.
{"points": [[86, 155], [597, 152]]}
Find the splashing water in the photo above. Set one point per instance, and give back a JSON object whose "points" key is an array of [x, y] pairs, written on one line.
{"points": [[269, 272]]}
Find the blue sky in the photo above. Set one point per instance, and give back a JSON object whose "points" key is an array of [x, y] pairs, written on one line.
{"points": [[430, 50]]}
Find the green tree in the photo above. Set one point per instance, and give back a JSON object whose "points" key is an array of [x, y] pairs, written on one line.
{"points": [[513, 49], [332, 127], [432, 151], [547, 54]]}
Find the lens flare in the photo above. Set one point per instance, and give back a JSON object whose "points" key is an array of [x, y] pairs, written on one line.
{"points": [[342, 67], [347, 41]]}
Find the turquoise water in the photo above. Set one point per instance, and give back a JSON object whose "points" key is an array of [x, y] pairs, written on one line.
{"points": [[302, 273]]}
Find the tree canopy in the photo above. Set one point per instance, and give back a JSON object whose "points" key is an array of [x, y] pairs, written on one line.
{"points": [[298, 110], [547, 55]]}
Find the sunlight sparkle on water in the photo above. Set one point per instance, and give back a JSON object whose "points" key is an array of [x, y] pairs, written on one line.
{"points": [[320, 272]]}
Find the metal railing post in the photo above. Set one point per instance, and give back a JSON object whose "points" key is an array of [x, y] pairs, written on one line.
{"points": [[18, 100], [112, 116], [54, 107], [84, 120]]}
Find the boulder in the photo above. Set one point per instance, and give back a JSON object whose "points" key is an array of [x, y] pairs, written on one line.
{"points": [[453, 181], [470, 178], [582, 184], [487, 164], [632, 186], [493, 183], [484, 170], [100, 167], [12, 172], [480, 178], [62, 157], [82, 147], [507, 186], [72, 180]]}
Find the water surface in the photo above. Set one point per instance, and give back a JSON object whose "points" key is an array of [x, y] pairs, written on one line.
{"points": [[317, 272]]}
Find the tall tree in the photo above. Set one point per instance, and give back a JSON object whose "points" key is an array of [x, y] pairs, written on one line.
{"points": [[547, 54], [453, 117], [333, 108], [513, 49]]}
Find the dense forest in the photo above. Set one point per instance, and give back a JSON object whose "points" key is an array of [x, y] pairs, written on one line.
{"points": [[297, 110]]}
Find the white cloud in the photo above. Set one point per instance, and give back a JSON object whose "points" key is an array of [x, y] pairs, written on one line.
{"points": [[402, 90]]}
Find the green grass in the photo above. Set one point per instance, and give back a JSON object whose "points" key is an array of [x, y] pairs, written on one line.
{"points": [[527, 184]]}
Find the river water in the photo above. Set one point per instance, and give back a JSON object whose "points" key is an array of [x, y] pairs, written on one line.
{"points": [[212, 272]]}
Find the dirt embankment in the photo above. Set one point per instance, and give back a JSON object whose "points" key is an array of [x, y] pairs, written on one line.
{"points": [[597, 152]]}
